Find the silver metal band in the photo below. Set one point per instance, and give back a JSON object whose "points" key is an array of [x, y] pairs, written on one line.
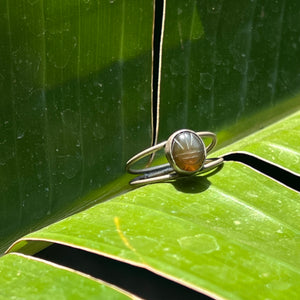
{"points": [[166, 172], [194, 147]]}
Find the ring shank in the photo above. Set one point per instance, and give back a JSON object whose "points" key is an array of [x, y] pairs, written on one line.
{"points": [[157, 176], [141, 155]]}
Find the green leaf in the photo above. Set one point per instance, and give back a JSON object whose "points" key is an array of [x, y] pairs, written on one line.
{"points": [[244, 63], [75, 88], [216, 233], [24, 277], [278, 144]]}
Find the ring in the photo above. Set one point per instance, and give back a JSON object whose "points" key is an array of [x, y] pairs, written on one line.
{"points": [[185, 152]]}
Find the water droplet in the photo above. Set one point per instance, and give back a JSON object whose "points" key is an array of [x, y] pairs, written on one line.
{"points": [[99, 132], [279, 285], [69, 118], [200, 243], [264, 275], [206, 80], [72, 165], [215, 7], [20, 134]]}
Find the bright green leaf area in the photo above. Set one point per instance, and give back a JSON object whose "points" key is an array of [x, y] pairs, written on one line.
{"points": [[278, 144], [233, 233], [23, 277]]}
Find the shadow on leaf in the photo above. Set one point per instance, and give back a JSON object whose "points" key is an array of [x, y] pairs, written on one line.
{"points": [[195, 184]]}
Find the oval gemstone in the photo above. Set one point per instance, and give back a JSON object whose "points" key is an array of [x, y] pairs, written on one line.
{"points": [[188, 151]]}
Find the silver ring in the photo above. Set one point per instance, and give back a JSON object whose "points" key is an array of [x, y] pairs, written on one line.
{"points": [[186, 154]]}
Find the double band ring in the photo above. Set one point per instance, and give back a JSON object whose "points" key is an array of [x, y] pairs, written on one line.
{"points": [[186, 154]]}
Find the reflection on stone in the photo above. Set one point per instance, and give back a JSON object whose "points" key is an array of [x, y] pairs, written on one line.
{"points": [[188, 151]]}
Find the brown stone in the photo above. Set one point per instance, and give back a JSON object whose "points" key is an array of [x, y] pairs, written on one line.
{"points": [[188, 151]]}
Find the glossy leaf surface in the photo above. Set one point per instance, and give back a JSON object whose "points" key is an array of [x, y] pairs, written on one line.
{"points": [[220, 236], [75, 85], [75, 88], [279, 144], [224, 61], [24, 277]]}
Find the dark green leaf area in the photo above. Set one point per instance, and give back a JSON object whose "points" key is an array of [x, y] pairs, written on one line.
{"points": [[224, 62], [75, 89]]}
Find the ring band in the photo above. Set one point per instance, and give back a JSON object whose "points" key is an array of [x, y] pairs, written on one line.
{"points": [[185, 152]]}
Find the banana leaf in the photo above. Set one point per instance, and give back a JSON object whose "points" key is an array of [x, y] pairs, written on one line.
{"points": [[75, 104]]}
